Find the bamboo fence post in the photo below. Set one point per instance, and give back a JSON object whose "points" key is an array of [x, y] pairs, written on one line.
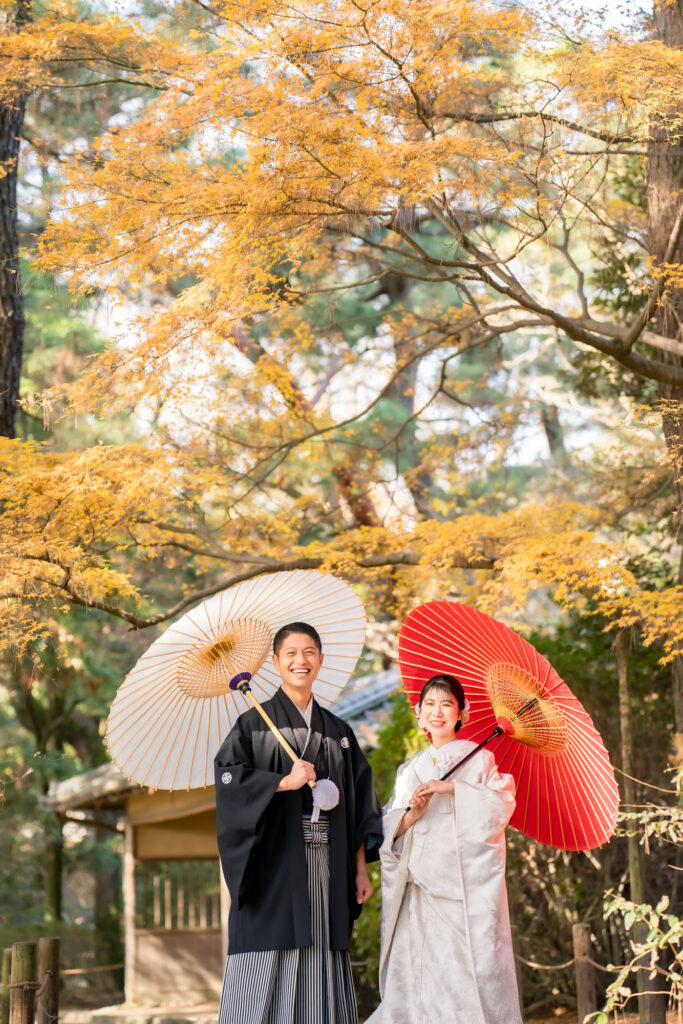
{"points": [[47, 1010], [6, 969], [191, 897], [586, 1001], [22, 995]]}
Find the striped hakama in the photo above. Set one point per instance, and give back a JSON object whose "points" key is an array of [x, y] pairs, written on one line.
{"points": [[309, 985]]}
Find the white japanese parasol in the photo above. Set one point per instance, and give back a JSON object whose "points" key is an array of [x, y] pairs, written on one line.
{"points": [[176, 706]]}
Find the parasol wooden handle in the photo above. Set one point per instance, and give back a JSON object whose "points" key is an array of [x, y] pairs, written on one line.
{"points": [[243, 687]]}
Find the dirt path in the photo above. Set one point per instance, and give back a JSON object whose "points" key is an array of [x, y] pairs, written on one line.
{"points": [[564, 1016]]}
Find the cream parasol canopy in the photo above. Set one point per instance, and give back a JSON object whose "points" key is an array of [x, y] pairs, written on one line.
{"points": [[176, 706]]}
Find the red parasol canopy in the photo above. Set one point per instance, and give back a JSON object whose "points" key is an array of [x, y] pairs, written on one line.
{"points": [[567, 795]]}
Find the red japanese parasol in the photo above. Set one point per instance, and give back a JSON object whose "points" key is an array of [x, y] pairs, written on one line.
{"points": [[567, 796]]}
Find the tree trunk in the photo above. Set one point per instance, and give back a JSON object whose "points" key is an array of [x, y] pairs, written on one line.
{"points": [[39, 719], [665, 193], [54, 856], [650, 1006], [635, 868], [11, 299], [108, 911], [417, 476], [550, 418], [635, 863]]}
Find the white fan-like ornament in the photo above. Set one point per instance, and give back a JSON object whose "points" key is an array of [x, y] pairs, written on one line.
{"points": [[176, 706]]}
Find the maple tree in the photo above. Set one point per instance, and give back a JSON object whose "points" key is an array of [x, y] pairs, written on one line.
{"points": [[359, 254], [418, 160]]}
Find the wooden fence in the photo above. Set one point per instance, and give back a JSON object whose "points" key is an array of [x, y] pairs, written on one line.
{"points": [[30, 971], [30, 983]]}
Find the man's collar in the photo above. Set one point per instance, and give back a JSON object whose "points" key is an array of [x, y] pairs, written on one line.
{"points": [[289, 703]]}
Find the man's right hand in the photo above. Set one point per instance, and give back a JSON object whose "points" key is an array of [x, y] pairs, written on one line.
{"points": [[301, 773]]}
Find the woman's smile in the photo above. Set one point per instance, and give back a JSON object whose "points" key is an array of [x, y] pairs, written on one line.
{"points": [[440, 714]]}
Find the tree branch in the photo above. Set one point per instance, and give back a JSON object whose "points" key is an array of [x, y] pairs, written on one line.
{"points": [[494, 118], [390, 558], [646, 313]]}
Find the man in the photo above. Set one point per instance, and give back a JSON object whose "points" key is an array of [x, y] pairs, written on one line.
{"points": [[296, 883]]}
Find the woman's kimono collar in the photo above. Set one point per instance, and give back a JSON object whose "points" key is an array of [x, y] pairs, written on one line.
{"points": [[434, 762]]}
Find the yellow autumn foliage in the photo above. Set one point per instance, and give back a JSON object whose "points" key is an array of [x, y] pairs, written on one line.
{"points": [[282, 157]]}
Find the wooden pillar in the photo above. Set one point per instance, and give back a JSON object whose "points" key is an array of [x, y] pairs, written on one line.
{"points": [[225, 910], [586, 1001], [47, 1010], [129, 910], [6, 969], [22, 996]]}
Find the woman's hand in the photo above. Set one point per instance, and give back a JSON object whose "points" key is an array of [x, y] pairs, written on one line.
{"points": [[436, 786], [419, 802], [301, 773]]}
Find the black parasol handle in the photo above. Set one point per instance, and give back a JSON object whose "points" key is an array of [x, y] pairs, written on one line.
{"points": [[498, 731]]}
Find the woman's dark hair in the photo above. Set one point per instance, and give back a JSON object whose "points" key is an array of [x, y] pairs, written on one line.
{"points": [[295, 627], [451, 685]]}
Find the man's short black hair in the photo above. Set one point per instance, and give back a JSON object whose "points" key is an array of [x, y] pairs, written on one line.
{"points": [[295, 627]]}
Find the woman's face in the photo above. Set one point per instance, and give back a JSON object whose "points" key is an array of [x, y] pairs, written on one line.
{"points": [[440, 713]]}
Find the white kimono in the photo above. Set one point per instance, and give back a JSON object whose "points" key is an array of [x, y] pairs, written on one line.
{"points": [[446, 954]]}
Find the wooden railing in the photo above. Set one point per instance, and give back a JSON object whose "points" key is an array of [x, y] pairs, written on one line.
{"points": [[177, 895]]}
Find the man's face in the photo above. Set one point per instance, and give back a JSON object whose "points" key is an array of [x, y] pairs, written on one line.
{"points": [[298, 663]]}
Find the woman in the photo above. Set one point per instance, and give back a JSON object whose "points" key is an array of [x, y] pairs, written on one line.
{"points": [[446, 949]]}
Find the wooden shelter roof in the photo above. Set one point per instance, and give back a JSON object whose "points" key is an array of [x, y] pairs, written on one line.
{"points": [[104, 787]]}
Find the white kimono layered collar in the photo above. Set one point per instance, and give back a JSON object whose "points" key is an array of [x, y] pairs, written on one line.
{"points": [[432, 763]]}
